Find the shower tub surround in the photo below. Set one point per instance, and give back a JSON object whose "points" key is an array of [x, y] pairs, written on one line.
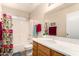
{"points": [[66, 46]]}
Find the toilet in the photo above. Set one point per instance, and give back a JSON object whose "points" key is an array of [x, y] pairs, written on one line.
{"points": [[28, 49]]}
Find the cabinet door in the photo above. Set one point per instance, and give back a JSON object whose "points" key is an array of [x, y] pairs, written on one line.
{"points": [[54, 53], [35, 49], [43, 50], [40, 53], [35, 52], [58, 54]]}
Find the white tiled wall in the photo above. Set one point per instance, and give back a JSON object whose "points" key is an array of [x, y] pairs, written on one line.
{"points": [[20, 33]]}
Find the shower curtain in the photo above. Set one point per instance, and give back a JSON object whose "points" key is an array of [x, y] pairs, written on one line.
{"points": [[6, 36]]}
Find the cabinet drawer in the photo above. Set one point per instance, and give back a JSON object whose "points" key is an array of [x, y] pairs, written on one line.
{"points": [[44, 49], [35, 44]]}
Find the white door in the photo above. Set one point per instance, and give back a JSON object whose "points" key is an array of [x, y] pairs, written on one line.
{"points": [[20, 33], [73, 25]]}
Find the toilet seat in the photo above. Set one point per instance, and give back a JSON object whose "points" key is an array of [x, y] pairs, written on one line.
{"points": [[28, 49], [28, 46]]}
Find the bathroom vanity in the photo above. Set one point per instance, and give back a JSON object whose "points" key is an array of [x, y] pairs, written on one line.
{"points": [[55, 46], [41, 50]]}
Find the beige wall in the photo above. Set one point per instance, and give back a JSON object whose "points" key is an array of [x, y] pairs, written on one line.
{"points": [[38, 13], [14, 12], [0, 8], [0, 11], [60, 18], [37, 16]]}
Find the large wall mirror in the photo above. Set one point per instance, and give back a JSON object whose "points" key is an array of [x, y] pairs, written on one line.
{"points": [[72, 25]]}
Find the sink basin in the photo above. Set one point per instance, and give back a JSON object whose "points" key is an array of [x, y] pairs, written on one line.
{"points": [[59, 43], [46, 40], [50, 41], [67, 44]]}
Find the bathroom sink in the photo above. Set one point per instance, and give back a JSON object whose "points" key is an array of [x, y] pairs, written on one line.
{"points": [[45, 38], [67, 44], [48, 41]]}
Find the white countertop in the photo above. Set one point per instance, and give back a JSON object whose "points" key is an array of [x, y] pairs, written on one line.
{"points": [[62, 45]]}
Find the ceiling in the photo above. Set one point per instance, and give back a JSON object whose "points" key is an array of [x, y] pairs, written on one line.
{"points": [[27, 7]]}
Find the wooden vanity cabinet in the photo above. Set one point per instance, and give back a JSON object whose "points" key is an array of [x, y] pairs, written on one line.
{"points": [[41, 50], [35, 49], [54, 53], [57, 54]]}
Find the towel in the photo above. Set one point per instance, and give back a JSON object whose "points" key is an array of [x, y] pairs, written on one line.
{"points": [[52, 30], [34, 30], [38, 28]]}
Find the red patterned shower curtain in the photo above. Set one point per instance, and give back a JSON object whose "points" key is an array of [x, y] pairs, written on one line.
{"points": [[6, 36]]}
